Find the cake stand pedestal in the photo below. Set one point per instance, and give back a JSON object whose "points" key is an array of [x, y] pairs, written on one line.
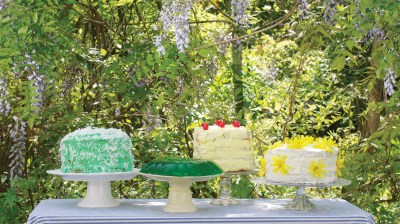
{"points": [[301, 201], [180, 195], [225, 196], [98, 193]]}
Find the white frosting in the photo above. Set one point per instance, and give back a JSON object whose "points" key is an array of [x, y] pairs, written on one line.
{"points": [[229, 147], [299, 161], [95, 133]]}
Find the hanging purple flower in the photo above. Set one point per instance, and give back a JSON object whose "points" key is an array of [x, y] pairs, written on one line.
{"points": [[239, 14], [176, 13], [389, 81], [32, 69], [5, 106], [17, 130]]}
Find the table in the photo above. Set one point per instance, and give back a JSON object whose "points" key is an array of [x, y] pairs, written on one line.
{"points": [[150, 211]]}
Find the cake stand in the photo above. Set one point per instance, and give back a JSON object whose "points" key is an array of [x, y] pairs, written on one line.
{"points": [[225, 196], [180, 195], [98, 192], [301, 200]]}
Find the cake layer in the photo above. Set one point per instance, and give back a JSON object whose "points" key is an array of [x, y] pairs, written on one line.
{"points": [[229, 147], [96, 150], [306, 165]]}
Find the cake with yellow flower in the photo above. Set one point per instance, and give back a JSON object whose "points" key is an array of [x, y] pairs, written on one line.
{"points": [[304, 160], [229, 146]]}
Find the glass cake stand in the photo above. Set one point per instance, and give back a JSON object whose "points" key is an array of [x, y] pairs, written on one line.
{"points": [[180, 195], [225, 196], [98, 193], [301, 200]]}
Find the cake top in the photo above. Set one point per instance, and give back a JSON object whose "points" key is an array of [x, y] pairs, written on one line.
{"points": [[90, 133], [181, 167], [306, 143], [220, 124]]}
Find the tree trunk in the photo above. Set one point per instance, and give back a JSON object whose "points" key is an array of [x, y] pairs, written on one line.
{"points": [[370, 122], [237, 76]]}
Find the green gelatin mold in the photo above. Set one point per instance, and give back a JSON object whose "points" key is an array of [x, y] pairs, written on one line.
{"points": [[181, 167]]}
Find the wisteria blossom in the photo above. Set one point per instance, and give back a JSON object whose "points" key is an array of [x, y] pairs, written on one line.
{"points": [[5, 106], [175, 13], [18, 136], [389, 81], [302, 8], [158, 43], [330, 11], [3, 4], [239, 14], [376, 34], [32, 69]]}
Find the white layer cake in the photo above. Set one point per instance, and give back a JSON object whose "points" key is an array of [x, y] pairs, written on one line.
{"points": [[229, 147], [307, 165]]}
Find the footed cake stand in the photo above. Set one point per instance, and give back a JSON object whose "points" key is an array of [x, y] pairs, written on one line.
{"points": [[301, 200], [180, 195], [98, 192], [225, 196]]}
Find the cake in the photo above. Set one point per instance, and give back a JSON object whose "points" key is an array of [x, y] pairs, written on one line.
{"points": [[181, 167], [96, 150], [303, 160], [229, 146]]}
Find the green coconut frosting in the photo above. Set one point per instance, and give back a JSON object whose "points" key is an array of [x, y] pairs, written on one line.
{"points": [[181, 167], [96, 150]]}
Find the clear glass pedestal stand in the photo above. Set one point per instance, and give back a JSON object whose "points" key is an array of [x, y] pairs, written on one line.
{"points": [[301, 201], [225, 195]]}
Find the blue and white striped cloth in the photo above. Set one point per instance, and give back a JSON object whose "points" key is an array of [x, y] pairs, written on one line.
{"points": [[151, 211]]}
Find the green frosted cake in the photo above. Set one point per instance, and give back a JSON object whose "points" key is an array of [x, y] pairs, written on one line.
{"points": [[96, 150], [181, 167]]}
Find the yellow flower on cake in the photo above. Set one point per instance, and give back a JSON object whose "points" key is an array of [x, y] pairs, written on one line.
{"points": [[339, 166], [325, 144], [279, 162], [317, 169], [263, 163], [276, 145], [299, 142]]}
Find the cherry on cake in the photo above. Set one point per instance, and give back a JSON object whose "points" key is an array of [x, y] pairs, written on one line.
{"points": [[229, 146], [302, 160], [96, 150]]}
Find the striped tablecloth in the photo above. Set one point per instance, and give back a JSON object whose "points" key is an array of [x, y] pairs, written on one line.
{"points": [[150, 211]]}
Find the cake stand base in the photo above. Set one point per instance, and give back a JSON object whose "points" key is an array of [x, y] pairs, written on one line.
{"points": [[98, 192], [98, 195], [225, 197], [300, 201], [180, 197]]}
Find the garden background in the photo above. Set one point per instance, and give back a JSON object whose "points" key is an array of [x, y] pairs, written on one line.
{"points": [[157, 69]]}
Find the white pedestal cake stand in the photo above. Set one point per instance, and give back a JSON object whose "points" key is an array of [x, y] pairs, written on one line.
{"points": [[225, 196], [180, 195], [301, 200], [98, 192]]}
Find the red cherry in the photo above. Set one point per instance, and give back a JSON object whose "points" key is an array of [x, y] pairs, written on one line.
{"points": [[222, 124], [219, 122], [204, 125], [236, 123]]}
